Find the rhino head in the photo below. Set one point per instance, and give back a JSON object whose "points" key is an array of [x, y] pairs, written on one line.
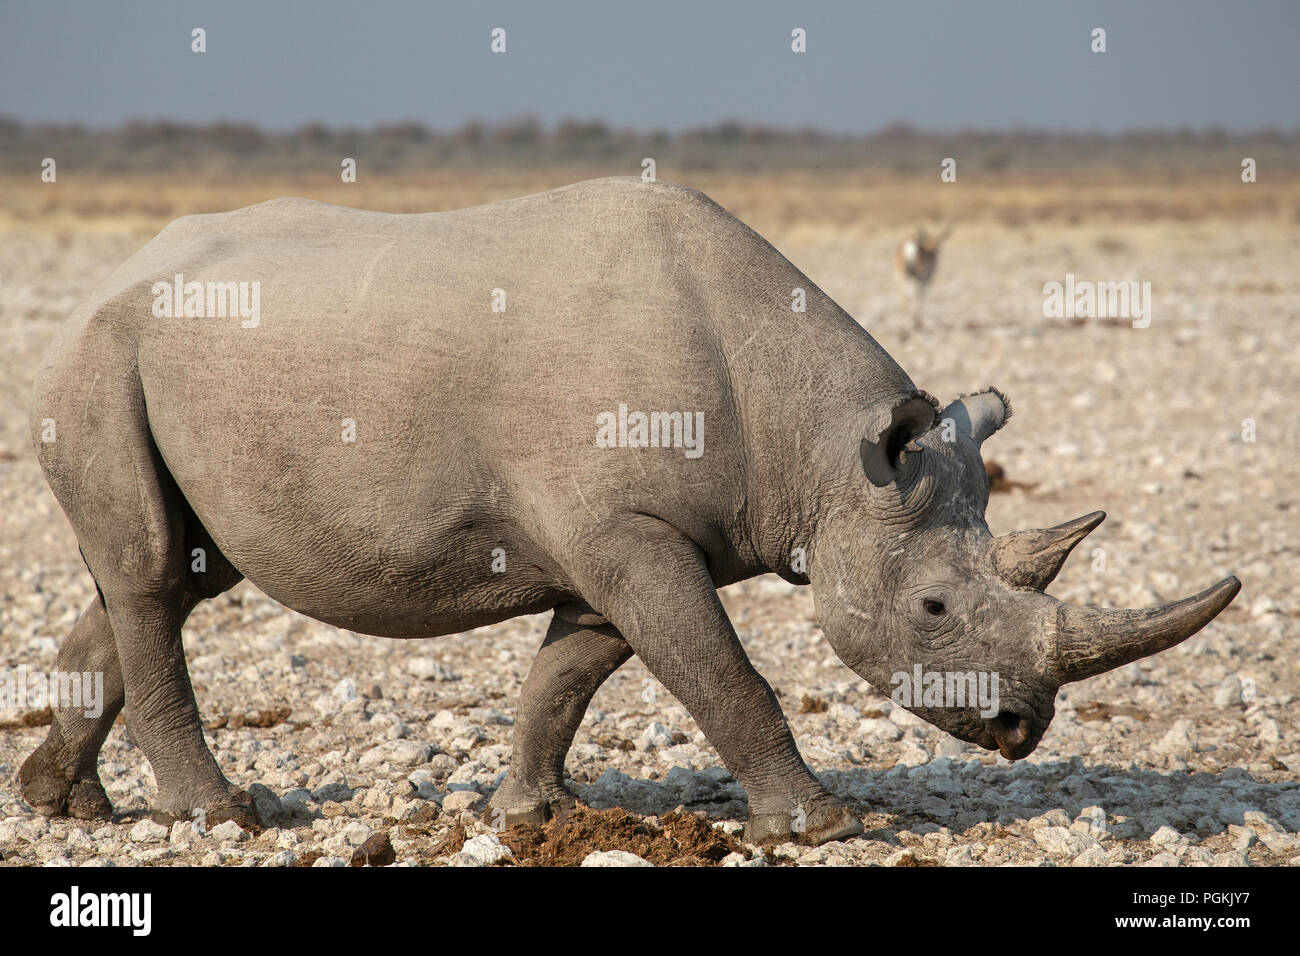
{"points": [[920, 599]]}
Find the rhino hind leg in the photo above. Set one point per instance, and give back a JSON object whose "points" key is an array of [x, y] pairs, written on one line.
{"points": [[61, 777], [161, 711], [136, 534], [572, 663]]}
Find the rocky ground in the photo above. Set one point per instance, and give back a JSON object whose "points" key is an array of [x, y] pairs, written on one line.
{"points": [[379, 751]]}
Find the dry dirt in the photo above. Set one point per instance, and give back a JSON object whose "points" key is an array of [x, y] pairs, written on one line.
{"points": [[1188, 758]]}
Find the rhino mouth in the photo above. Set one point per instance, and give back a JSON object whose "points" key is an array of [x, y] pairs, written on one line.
{"points": [[1015, 732]]}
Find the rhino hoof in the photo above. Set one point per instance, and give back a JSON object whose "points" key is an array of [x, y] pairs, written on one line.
{"points": [[830, 823], [237, 806], [88, 801], [537, 813], [52, 794], [48, 796], [822, 825]]}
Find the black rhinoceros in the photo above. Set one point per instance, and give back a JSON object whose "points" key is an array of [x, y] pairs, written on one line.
{"points": [[596, 400]]}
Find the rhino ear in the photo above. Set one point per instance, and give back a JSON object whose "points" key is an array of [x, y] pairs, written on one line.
{"points": [[978, 416], [883, 456]]}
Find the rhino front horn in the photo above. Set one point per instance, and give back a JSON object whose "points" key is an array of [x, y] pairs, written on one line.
{"points": [[1093, 640], [1032, 559]]}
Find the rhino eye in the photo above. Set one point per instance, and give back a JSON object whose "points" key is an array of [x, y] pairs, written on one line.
{"points": [[933, 606]]}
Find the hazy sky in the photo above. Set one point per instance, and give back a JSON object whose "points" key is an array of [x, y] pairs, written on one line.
{"points": [[658, 63]]}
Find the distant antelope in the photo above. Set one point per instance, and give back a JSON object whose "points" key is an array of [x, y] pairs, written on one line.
{"points": [[915, 260]]}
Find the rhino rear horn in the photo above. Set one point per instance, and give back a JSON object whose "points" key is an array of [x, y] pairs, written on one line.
{"points": [[1032, 559], [1093, 640]]}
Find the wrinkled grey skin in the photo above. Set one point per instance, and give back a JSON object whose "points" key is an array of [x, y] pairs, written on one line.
{"points": [[476, 431]]}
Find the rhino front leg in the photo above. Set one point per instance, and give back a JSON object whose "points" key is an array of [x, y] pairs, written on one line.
{"points": [[660, 595], [61, 777], [572, 663]]}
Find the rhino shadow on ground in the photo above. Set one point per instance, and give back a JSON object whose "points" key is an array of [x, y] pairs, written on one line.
{"points": [[942, 793], [1136, 802]]}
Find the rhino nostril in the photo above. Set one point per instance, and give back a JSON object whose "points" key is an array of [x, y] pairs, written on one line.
{"points": [[1010, 729]]}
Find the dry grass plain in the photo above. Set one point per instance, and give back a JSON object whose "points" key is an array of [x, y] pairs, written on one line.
{"points": [[1190, 758]]}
